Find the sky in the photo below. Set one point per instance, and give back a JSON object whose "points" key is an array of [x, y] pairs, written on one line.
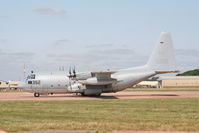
{"points": [[93, 34]]}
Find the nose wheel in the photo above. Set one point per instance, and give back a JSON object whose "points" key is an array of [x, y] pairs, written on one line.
{"points": [[36, 94]]}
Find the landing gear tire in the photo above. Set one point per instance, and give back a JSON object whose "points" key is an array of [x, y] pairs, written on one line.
{"points": [[36, 94], [83, 94], [98, 95]]}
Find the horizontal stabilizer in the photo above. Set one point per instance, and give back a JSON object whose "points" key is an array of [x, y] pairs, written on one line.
{"points": [[162, 72]]}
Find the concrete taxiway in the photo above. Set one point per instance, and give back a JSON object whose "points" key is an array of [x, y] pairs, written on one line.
{"points": [[119, 95]]}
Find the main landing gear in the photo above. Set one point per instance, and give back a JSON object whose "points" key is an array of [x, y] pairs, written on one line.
{"points": [[36, 94], [91, 95]]}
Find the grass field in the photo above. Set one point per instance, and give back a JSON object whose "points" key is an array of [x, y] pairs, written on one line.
{"points": [[101, 115]]}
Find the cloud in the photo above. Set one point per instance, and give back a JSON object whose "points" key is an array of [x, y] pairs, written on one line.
{"points": [[16, 57], [187, 58], [96, 59], [22, 54], [99, 45], [50, 11], [187, 52], [3, 41], [60, 42], [106, 58], [116, 51], [12, 64], [99, 59], [3, 17]]}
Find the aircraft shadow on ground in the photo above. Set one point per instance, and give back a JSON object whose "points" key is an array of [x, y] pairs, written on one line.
{"points": [[107, 97], [99, 97], [82, 97], [163, 95], [148, 95], [110, 97]]}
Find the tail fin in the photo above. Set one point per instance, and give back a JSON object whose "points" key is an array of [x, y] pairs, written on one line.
{"points": [[162, 58]]}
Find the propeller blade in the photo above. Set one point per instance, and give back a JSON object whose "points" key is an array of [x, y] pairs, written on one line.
{"points": [[74, 70], [74, 73], [70, 71]]}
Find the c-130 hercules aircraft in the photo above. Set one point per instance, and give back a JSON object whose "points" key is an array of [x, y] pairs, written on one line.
{"points": [[161, 61]]}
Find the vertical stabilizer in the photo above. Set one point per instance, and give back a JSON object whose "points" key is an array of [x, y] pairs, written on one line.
{"points": [[162, 58]]}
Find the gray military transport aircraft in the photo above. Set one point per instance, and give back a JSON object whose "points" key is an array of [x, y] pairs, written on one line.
{"points": [[161, 61]]}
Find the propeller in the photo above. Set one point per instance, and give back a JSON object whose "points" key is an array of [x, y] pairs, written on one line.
{"points": [[74, 73], [70, 74]]}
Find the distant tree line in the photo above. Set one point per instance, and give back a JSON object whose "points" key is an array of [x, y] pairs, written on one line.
{"points": [[190, 73]]}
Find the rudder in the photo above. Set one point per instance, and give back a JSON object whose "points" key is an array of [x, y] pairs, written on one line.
{"points": [[163, 58]]}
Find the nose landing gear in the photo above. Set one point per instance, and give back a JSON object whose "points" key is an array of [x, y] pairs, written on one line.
{"points": [[36, 94]]}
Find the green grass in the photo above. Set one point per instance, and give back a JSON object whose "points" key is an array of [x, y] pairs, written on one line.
{"points": [[162, 89], [176, 114], [190, 73]]}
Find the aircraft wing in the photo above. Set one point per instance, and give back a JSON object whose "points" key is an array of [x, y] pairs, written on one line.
{"points": [[100, 78]]}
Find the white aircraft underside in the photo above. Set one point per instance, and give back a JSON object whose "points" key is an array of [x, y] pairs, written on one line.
{"points": [[161, 61]]}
